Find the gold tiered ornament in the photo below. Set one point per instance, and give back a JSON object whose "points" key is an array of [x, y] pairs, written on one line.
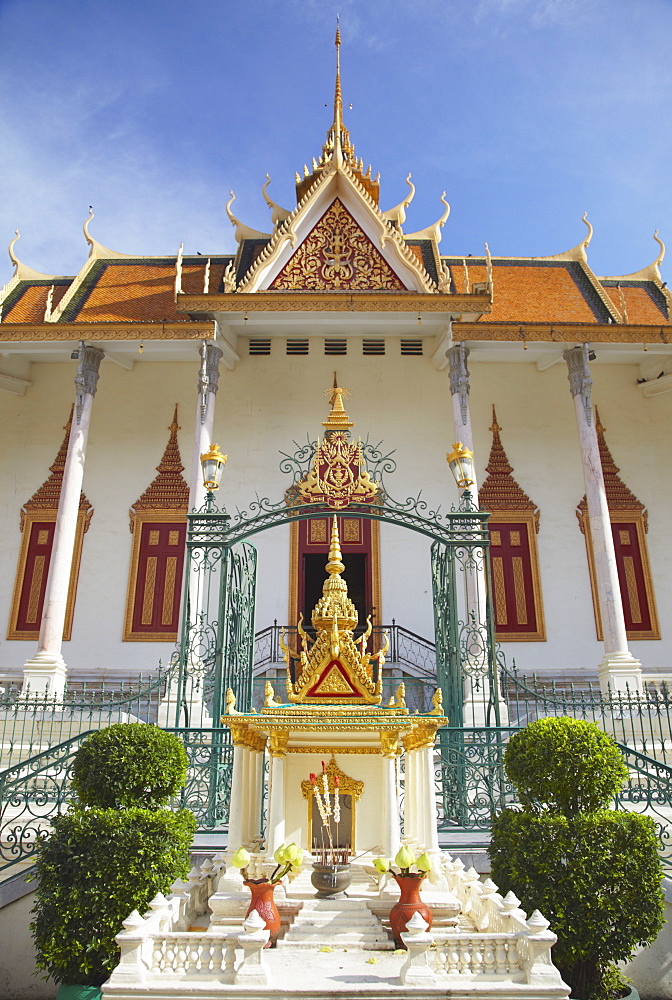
{"points": [[334, 667]]}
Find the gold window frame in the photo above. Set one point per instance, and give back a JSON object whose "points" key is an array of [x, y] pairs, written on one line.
{"points": [[529, 519], [137, 521], [626, 517], [30, 517]]}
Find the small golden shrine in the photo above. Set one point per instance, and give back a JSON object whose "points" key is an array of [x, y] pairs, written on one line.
{"points": [[334, 713]]}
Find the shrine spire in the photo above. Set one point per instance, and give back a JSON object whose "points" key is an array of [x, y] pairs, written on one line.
{"points": [[337, 127]]}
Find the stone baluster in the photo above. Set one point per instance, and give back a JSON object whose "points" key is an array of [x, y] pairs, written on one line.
{"points": [[131, 967], [537, 962], [253, 969], [618, 668], [416, 970], [47, 670]]}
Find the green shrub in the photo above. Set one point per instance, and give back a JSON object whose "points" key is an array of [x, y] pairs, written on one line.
{"points": [[595, 876], [96, 867], [566, 765], [129, 764], [593, 872]]}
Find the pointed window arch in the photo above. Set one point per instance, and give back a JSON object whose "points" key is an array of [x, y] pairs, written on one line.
{"points": [[159, 528], [514, 562], [629, 526], [38, 523]]}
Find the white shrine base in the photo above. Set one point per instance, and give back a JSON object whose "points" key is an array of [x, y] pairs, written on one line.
{"points": [[193, 945]]}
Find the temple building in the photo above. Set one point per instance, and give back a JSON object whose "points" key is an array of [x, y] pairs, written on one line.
{"points": [[511, 356]]}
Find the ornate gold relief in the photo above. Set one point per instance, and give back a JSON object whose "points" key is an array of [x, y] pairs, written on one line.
{"points": [[337, 255], [347, 785]]}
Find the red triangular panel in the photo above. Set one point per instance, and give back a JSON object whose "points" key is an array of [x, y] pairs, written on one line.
{"points": [[337, 255], [333, 682]]}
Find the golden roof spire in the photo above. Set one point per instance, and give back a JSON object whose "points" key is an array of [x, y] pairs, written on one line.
{"points": [[335, 605], [338, 418], [338, 98], [335, 564]]}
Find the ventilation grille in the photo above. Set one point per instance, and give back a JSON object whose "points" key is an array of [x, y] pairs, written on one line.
{"points": [[297, 346], [260, 346], [411, 347], [335, 347], [373, 347]]}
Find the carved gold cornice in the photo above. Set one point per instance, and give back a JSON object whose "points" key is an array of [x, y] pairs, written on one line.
{"points": [[563, 333], [334, 302], [202, 330]]}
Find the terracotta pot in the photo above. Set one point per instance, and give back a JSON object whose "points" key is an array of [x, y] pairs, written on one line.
{"points": [[409, 903], [329, 880], [262, 901]]}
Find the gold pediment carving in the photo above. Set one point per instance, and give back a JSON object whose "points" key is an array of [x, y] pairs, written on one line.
{"points": [[337, 255]]}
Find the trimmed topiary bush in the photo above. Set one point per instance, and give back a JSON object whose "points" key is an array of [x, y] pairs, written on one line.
{"points": [[129, 764], [98, 866], [593, 872], [568, 765], [111, 852]]}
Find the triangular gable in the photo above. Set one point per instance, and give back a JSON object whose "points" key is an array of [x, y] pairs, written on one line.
{"points": [[308, 250], [337, 255], [334, 682]]}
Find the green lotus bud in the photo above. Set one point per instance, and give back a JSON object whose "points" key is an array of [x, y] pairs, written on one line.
{"points": [[424, 863], [382, 865], [297, 858], [405, 858], [241, 858], [280, 854]]}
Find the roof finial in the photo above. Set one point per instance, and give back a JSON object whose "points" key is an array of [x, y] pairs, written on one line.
{"points": [[335, 565], [338, 100], [338, 418]]}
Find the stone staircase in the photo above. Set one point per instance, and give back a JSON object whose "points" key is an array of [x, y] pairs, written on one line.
{"points": [[338, 924]]}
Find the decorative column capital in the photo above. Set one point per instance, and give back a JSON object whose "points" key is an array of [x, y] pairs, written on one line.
{"points": [[578, 374], [208, 376], [459, 377], [278, 743], [86, 379]]}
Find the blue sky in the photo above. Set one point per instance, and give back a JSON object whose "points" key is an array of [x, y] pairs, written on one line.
{"points": [[526, 112]]}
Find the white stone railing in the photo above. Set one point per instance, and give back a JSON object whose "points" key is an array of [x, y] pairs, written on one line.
{"points": [[160, 946], [505, 943]]}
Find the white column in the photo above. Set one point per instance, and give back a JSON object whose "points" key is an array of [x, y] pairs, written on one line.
{"points": [[256, 793], [275, 834], [47, 670], [428, 792], [476, 655], [411, 831], [390, 826], [618, 667], [208, 383], [236, 831]]}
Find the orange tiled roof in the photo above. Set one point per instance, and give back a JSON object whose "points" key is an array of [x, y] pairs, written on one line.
{"points": [[644, 303], [127, 291], [529, 291], [29, 300]]}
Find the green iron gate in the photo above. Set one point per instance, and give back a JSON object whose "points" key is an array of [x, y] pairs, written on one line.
{"points": [[216, 645]]}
